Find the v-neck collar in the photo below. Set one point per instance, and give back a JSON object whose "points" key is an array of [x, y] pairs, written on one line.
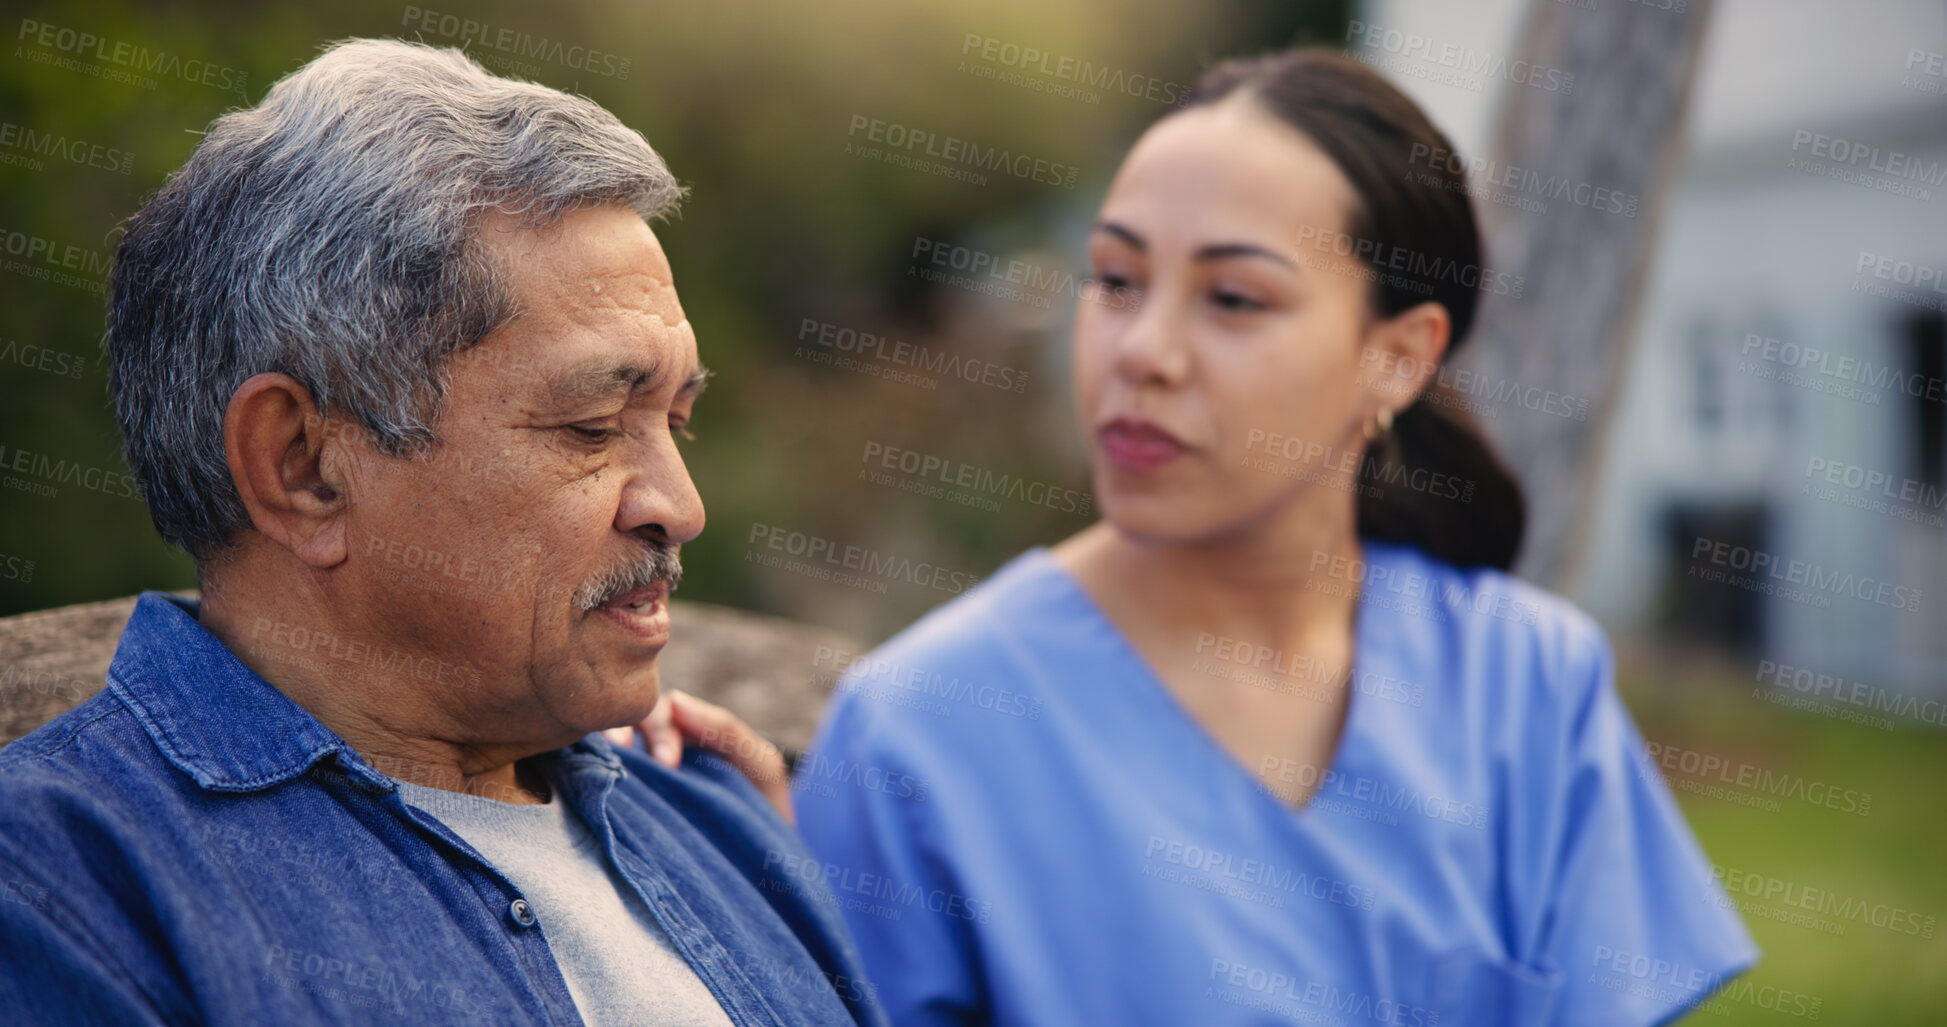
{"points": [[1158, 694]]}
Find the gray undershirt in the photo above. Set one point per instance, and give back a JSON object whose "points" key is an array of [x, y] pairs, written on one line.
{"points": [[619, 965]]}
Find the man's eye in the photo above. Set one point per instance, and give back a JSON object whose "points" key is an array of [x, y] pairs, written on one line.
{"points": [[593, 434]]}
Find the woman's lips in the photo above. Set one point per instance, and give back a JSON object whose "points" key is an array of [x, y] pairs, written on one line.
{"points": [[1137, 445]]}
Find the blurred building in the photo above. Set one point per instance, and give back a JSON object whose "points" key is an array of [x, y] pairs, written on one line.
{"points": [[1775, 479], [1778, 447]]}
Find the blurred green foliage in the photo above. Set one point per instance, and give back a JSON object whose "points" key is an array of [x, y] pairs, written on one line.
{"points": [[1813, 867], [752, 104]]}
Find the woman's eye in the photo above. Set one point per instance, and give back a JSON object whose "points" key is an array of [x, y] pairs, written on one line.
{"points": [[681, 429], [1114, 283], [1234, 301]]}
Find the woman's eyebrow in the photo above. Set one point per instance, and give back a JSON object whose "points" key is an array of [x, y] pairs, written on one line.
{"points": [[1127, 235], [1223, 250], [1212, 251]]}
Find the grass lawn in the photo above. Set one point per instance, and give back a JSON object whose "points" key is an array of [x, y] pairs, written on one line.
{"points": [[1891, 858]]}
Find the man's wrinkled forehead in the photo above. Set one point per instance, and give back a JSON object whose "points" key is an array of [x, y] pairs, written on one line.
{"points": [[595, 304], [598, 256]]}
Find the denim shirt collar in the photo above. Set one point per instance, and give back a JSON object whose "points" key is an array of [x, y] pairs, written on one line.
{"points": [[221, 723]]}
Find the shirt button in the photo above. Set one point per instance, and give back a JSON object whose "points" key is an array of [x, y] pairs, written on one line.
{"points": [[522, 915]]}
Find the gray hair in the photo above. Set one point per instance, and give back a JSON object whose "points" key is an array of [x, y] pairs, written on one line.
{"points": [[330, 233]]}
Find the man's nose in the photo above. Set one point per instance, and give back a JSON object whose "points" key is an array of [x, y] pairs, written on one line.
{"points": [[659, 498]]}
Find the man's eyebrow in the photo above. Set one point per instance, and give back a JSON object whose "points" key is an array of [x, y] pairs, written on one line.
{"points": [[598, 381], [697, 383], [1213, 251]]}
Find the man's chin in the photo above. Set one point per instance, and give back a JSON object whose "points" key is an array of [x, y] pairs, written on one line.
{"points": [[610, 685], [630, 698]]}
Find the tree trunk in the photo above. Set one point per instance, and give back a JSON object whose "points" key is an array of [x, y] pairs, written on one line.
{"points": [[1599, 155]]}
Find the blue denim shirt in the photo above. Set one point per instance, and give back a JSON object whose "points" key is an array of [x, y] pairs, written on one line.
{"points": [[191, 846]]}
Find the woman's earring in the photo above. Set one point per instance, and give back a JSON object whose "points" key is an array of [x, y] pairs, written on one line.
{"points": [[1380, 425]]}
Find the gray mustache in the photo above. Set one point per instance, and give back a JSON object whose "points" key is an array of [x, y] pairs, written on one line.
{"points": [[659, 564]]}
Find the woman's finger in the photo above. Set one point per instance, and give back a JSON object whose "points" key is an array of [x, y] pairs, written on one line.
{"points": [[720, 731], [660, 734]]}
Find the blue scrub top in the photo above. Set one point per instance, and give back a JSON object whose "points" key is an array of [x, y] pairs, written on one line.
{"points": [[1022, 826]]}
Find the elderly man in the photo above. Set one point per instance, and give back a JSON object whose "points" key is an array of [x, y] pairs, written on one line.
{"points": [[399, 361]]}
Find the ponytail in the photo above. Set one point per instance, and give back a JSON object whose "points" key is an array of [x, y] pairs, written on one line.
{"points": [[1435, 483]]}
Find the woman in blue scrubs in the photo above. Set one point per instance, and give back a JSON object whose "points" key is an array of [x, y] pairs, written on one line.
{"points": [[1278, 740]]}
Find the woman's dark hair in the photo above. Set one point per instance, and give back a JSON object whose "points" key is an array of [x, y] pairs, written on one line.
{"points": [[1433, 482]]}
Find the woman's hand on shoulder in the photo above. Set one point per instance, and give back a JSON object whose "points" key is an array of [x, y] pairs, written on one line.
{"points": [[681, 719]]}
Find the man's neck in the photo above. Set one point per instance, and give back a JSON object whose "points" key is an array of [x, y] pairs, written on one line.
{"points": [[390, 720], [520, 783]]}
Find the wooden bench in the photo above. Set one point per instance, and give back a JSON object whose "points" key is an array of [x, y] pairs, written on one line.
{"points": [[773, 672]]}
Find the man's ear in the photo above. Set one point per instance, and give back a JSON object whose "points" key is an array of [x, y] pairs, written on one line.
{"points": [[1408, 347], [275, 441]]}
